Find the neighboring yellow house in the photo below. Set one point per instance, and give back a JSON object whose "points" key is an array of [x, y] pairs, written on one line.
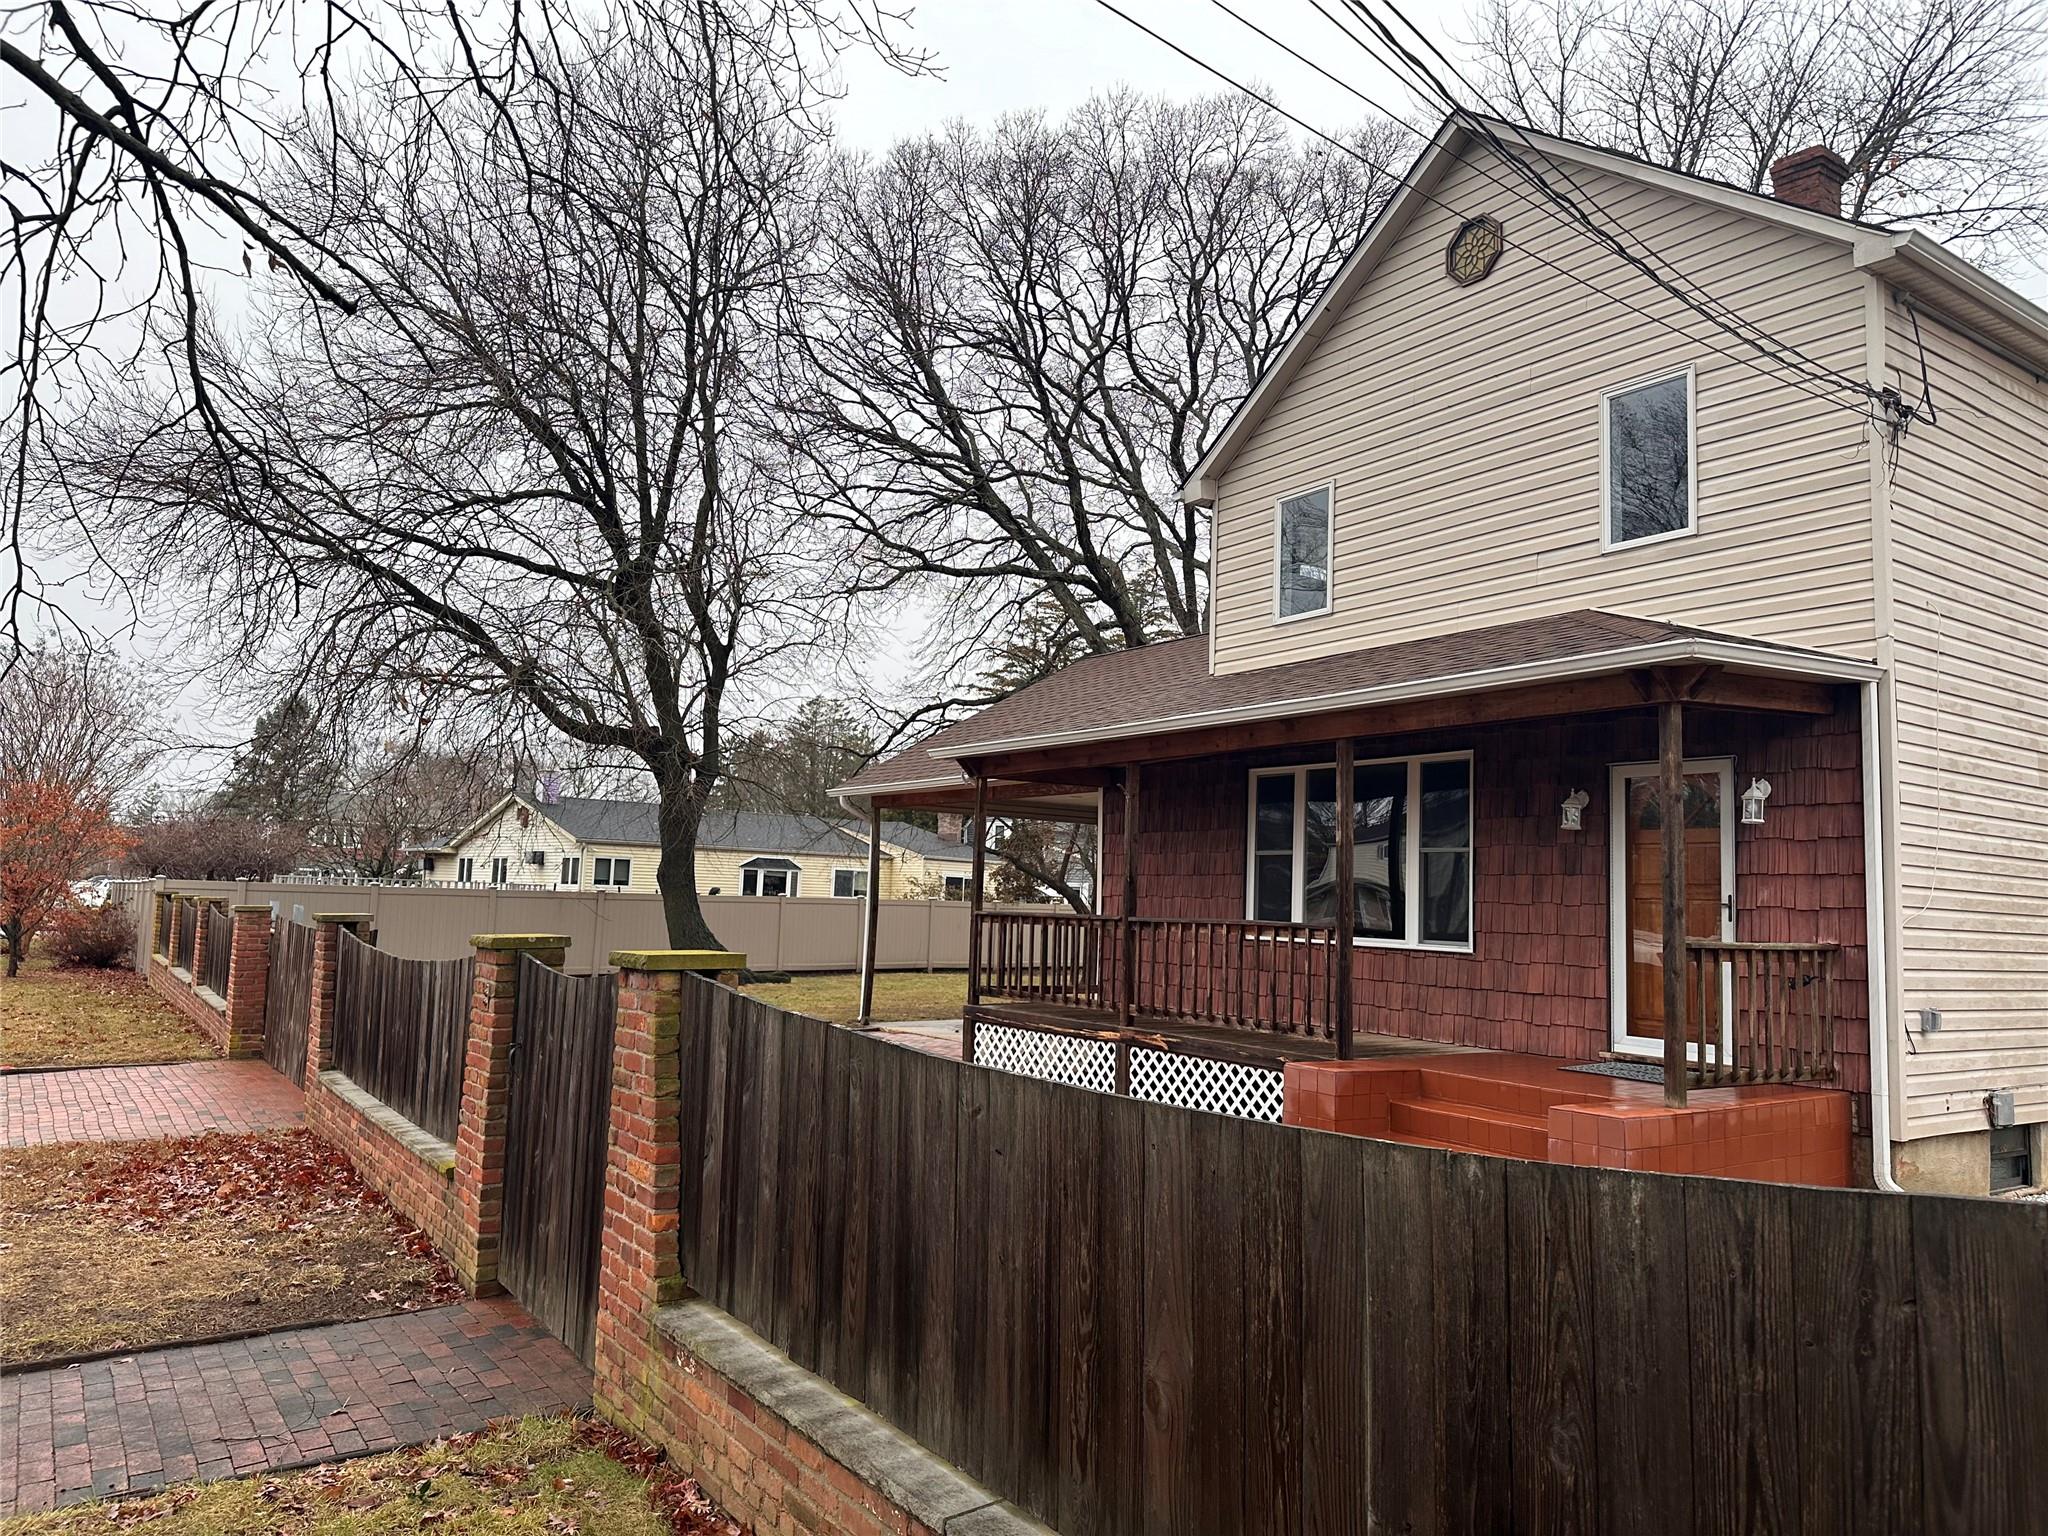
{"points": [[568, 843]]}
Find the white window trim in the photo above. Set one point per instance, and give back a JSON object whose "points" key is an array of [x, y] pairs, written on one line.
{"points": [[501, 869], [859, 872], [465, 871], [1329, 490], [1411, 851], [754, 877], [573, 878], [611, 882], [1608, 543]]}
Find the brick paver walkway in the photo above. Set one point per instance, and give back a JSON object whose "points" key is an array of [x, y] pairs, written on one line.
{"points": [[138, 1103], [144, 1421]]}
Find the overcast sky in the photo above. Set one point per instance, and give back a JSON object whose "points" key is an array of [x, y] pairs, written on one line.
{"points": [[995, 57]]}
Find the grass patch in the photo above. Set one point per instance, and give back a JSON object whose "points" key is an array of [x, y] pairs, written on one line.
{"points": [[567, 1476], [899, 995], [125, 1245], [59, 1018]]}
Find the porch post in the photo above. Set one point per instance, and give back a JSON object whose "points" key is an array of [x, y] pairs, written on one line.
{"points": [[1347, 897], [980, 836], [871, 911], [1671, 797], [1127, 965]]}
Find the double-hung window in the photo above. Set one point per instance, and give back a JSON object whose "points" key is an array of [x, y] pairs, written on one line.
{"points": [[1411, 865], [465, 871], [611, 874], [849, 882], [955, 887], [571, 872], [1647, 481], [1301, 540], [501, 870]]}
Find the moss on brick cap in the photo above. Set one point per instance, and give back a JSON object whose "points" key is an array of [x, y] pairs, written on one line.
{"points": [[519, 940], [250, 906], [678, 960], [341, 917]]}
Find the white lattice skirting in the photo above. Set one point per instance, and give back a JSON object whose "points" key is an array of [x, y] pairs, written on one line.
{"points": [[1197, 1082], [1055, 1058]]}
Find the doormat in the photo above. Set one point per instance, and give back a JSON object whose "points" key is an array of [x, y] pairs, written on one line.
{"points": [[1634, 1071]]}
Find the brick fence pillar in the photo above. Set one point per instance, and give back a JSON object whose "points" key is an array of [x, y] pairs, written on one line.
{"points": [[327, 928], [640, 1267], [248, 980], [487, 1099]]}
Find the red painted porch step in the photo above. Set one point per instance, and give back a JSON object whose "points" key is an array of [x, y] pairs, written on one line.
{"points": [[1469, 1127]]}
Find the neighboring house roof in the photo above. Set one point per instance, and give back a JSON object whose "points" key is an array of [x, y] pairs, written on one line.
{"points": [[634, 824], [1905, 258], [1168, 687]]}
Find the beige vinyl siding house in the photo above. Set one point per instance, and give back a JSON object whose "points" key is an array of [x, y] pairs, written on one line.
{"points": [[1458, 431], [1968, 515], [1460, 428], [579, 844]]}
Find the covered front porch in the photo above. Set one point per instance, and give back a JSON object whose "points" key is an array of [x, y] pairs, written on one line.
{"points": [[1506, 888]]}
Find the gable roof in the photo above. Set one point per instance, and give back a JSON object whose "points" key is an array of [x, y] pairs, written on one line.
{"points": [[1907, 259], [635, 824], [1158, 689]]}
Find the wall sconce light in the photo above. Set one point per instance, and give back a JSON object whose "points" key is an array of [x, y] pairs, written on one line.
{"points": [[1753, 799], [1572, 814]]}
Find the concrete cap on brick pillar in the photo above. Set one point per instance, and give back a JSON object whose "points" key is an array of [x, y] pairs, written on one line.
{"points": [[678, 960], [349, 919], [251, 906], [519, 940]]}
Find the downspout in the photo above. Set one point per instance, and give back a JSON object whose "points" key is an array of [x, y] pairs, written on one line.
{"points": [[1876, 902]]}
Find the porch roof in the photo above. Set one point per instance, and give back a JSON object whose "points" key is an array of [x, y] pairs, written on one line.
{"points": [[1166, 689]]}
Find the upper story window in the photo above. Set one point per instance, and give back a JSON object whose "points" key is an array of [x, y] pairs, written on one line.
{"points": [[1302, 541], [1411, 861], [1646, 461], [571, 871]]}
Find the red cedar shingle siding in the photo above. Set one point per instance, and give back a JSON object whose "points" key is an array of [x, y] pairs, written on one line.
{"points": [[1538, 978], [1161, 682]]}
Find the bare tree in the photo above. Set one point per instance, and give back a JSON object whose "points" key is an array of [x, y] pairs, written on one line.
{"points": [[519, 486], [1021, 342], [73, 716], [1937, 106], [137, 136]]}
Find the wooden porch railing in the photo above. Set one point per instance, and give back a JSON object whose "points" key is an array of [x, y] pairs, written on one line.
{"points": [[1766, 1012], [1049, 957], [1272, 977]]}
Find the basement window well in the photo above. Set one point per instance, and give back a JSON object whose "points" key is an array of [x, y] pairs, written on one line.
{"points": [[2012, 1159]]}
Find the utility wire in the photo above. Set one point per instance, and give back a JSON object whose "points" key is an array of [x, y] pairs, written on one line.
{"points": [[1793, 379], [1698, 298]]}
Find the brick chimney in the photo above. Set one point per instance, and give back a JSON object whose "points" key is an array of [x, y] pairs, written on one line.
{"points": [[1810, 178], [953, 826]]}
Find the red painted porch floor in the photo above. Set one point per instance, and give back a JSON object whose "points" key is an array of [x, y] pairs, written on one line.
{"points": [[1529, 1107]]}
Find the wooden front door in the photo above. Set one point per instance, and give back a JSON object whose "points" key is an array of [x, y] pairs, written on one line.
{"points": [[1636, 907]]}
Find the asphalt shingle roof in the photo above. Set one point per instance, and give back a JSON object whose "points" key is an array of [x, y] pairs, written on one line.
{"points": [[633, 823]]}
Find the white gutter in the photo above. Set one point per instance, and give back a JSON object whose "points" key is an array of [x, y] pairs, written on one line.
{"points": [[1803, 665], [1876, 905]]}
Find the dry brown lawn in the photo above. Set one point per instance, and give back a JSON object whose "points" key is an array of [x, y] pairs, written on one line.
{"points": [[124, 1245], [524, 1477], [899, 995], [58, 1018]]}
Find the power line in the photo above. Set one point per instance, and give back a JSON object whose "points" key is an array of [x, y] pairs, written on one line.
{"points": [[1706, 304], [1797, 382]]}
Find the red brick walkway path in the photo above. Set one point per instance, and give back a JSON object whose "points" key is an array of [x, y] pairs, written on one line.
{"points": [[144, 1421], [138, 1103]]}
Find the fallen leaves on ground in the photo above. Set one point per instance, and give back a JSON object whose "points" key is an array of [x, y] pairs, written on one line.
{"points": [[82, 1018], [564, 1476], [125, 1245]]}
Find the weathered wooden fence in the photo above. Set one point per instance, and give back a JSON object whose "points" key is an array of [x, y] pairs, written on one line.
{"points": [[288, 998], [400, 1031], [560, 1113], [1134, 1318], [184, 930], [220, 948]]}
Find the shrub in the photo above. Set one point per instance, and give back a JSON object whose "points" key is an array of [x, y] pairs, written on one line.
{"points": [[92, 938]]}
